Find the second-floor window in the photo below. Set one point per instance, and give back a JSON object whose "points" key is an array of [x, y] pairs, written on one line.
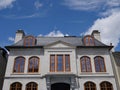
{"points": [[59, 63], [33, 65], [19, 65], [99, 64], [85, 64]]}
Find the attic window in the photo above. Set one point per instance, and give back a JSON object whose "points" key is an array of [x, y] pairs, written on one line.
{"points": [[89, 41], [29, 41]]}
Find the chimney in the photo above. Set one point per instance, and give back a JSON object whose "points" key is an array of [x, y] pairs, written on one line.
{"points": [[96, 35], [19, 35]]}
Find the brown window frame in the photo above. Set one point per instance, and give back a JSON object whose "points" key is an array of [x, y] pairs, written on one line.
{"points": [[64, 69], [19, 64], [33, 66], [105, 86], [85, 58], [31, 86], [16, 86], [89, 43], [89, 86], [27, 41], [100, 64]]}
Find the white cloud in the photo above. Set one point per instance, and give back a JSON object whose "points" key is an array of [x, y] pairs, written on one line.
{"points": [[33, 15], [91, 4], [11, 39], [6, 3], [38, 4], [109, 28], [55, 34]]}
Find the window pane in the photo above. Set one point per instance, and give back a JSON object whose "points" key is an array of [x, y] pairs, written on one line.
{"points": [[106, 86], [87, 41], [67, 63], [33, 64], [90, 86], [97, 66], [19, 64], [102, 66], [31, 86], [52, 63], [16, 86], [59, 63], [83, 66], [88, 64], [29, 41]]}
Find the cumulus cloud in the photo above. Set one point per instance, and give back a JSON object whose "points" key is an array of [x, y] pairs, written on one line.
{"points": [[11, 39], [38, 4], [6, 3], [91, 4], [109, 27], [55, 34]]}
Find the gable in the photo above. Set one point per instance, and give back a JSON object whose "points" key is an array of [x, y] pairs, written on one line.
{"points": [[59, 44]]}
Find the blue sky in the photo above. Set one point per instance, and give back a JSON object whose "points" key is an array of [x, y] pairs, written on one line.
{"points": [[60, 17]]}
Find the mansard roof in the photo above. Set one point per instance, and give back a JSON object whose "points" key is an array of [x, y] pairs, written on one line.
{"points": [[72, 40]]}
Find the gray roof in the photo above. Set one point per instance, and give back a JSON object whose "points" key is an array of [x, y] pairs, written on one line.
{"points": [[117, 58], [75, 41]]}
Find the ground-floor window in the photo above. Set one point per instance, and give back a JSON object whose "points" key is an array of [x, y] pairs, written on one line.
{"points": [[16, 86], [89, 86], [31, 86], [106, 86]]}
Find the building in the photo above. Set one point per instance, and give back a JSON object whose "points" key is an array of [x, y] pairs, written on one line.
{"points": [[116, 65], [59, 63], [3, 62]]}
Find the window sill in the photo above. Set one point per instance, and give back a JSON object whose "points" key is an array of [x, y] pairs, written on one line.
{"points": [[92, 73], [25, 73]]}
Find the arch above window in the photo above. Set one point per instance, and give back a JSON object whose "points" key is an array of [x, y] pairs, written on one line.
{"points": [[106, 86], [85, 64], [88, 40], [89, 86], [33, 65], [29, 41], [19, 63], [99, 64], [16, 86], [32, 86]]}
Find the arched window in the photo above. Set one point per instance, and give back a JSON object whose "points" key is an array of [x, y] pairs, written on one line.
{"points": [[85, 64], [19, 65], [99, 64], [32, 86], [106, 86], [29, 41], [33, 64], [89, 86], [16, 86], [89, 40]]}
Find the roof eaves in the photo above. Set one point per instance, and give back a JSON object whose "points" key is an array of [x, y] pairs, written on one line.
{"points": [[11, 47]]}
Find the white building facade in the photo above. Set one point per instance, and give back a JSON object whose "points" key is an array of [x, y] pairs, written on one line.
{"points": [[59, 63]]}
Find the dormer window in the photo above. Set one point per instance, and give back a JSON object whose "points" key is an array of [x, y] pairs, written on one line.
{"points": [[29, 41], [89, 41]]}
